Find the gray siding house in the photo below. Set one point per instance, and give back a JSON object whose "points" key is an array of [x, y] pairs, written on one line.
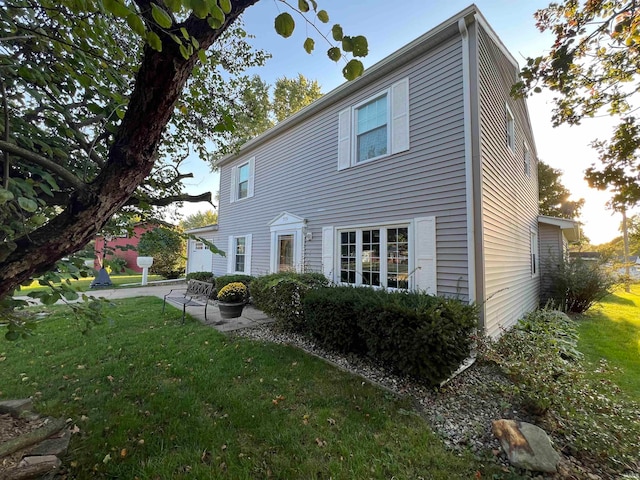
{"points": [[421, 174]]}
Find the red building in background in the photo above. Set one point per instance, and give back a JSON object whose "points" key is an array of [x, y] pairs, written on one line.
{"points": [[123, 246]]}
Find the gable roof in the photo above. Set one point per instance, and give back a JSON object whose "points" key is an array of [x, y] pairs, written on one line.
{"points": [[405, 54]]}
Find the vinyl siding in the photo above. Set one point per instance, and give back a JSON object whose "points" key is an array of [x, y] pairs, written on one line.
{"points": [[551, 251], [296, 171], [509, 196]]}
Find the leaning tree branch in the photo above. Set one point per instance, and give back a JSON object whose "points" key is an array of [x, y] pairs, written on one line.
{"points": [[5, 106], [164, 201], [53, 167]]}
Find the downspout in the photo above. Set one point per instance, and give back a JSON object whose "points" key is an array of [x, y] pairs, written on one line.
{"points": [[473, 161], [468, 152]]}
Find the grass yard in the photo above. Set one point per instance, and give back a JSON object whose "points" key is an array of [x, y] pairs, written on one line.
{"points": [[612, 331], [153, 399], [84, 284]]}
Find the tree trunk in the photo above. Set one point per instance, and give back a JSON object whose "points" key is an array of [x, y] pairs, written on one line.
{"points": [[159, 83]]}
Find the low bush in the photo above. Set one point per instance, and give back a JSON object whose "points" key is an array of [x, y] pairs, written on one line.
{"points": [[202, 276], [225, 280], [576, 285], [414, 334], [280, 295], [551, 381]]}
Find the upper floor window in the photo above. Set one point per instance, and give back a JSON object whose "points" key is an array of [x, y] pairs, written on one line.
{"points": [[527, 160], [242, 179], [372, 139], [376, 127], [510, 129]]}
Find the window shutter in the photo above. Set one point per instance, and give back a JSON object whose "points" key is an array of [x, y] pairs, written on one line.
{"points": [[344, 139], [400, 116], [252, 170], [247, 254], [234, 185], [327, 252], [231, 256], [425, 252]]}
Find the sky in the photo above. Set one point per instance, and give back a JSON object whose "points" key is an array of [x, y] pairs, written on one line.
{"points": [[387, 29]]}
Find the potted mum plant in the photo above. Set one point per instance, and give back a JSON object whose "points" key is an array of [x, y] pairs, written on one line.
{"points": [[231, 299]]}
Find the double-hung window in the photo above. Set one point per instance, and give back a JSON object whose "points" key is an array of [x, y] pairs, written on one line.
{"points": [[239, 254], [527, 160], [372, 137], [510, 128], [535, 265], [375, 128], [242, 179], [377, 257]]}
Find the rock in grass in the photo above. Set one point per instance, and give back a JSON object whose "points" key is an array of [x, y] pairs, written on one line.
{"points": [[526, 445]]}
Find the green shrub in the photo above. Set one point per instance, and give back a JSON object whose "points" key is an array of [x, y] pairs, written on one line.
{"points": [[551, 380], [576, 284], [414, 334], [331, 316], [280, 295], [225, 280], [202, 276]]}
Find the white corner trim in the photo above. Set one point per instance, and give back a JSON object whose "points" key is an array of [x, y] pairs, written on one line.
{"points": [[468, 158]]}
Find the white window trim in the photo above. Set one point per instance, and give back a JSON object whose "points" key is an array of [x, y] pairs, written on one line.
{"points": [[510, 128], [383, 252], [231, 255], [534, 254], [235, 180], [354, 127], [397, 125], [527, 159]]}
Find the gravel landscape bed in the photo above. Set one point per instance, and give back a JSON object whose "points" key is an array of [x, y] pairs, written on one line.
{"points": [[460, 411]]}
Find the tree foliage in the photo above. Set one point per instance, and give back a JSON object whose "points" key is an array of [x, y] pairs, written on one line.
{"points": [[293, 94], [199, 219], [259, 112], [167, 247], [101, 100], [554, 196], [592, 68]]}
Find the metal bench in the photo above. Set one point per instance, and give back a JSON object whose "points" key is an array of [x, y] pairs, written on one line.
{"points": [[196, 294]]}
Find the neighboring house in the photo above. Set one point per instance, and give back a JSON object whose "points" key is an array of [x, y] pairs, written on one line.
{"points": [[122, 246], [199, 256], [421, 174]]}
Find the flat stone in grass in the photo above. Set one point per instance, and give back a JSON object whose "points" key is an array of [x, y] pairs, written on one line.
{"points": [[527, 446], [16, 407], [56, 445]]}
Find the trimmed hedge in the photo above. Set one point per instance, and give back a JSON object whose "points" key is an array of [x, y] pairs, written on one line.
{"points": [[280, 295], [423, 336], [225, 280], [202, 276]]}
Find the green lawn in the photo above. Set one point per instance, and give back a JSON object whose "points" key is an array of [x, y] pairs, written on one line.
{"points": [[153, 399], [612, 331], [84, 284]]}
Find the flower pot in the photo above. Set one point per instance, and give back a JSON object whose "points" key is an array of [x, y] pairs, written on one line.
{"points": [[230, 310]]}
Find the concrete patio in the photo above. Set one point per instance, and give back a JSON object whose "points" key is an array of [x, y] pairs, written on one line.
{"points": [[251, 317]]}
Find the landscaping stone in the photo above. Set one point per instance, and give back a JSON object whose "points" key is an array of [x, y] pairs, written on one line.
{"points": [[527, 446], [16, 407], [53, 445], [34, 467]]}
